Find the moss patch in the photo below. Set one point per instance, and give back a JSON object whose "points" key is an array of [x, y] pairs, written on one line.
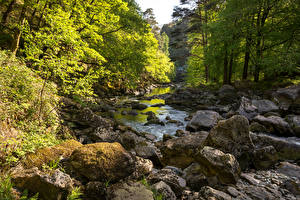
{"points": [[46, 155]]}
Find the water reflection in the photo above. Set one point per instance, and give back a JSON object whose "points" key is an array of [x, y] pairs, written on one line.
{"points": [[160, 91], [124, 115]]}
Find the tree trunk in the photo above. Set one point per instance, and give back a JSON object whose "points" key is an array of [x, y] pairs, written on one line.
{"points": [[225, 75], [7, 12], [230, 67], [18, 32], [247, 58]]}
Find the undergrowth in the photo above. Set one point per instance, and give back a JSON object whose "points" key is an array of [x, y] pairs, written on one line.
{"points": [[28, 104]]}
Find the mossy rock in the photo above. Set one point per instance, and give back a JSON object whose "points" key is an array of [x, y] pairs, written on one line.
{"points": [[102, 162], [48, 154]]}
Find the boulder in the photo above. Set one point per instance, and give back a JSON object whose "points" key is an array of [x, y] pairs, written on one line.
{"points": [[95, 190], [53, 186], [265, 157], [232, 136], [275, 125], [203, 120], [170, 178], [264, 106], [142, 169], [162, 188], [149, 151], [102, 162], [180, 152], [257, 128], [101, 134], [288, 98], [214, 162], [129, 191], [247, 109], [294, 122], [213, 194], [287, 149], [45, 155], [86, 117], [194, 177]]}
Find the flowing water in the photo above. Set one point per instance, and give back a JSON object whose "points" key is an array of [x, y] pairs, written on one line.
{"points": [[137, 121]]}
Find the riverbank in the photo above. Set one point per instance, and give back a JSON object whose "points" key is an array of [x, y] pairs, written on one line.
{"points": [[229, 144]]}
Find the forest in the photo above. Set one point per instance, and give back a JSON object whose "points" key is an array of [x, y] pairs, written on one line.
{"points": [[100, 101]]}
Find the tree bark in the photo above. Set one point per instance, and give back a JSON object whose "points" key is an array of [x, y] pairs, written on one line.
{"points": [[18, 32], [246, 60], [225, 75], [230, 67], [7, 12]]}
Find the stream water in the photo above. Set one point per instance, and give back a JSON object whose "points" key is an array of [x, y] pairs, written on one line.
{"points": [[161, 111]]}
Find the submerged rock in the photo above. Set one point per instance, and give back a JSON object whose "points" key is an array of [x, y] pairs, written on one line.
{"points": [[102, 162]]}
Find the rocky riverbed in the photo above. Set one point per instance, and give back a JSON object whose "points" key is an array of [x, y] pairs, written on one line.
{"points": [[223, 144]]}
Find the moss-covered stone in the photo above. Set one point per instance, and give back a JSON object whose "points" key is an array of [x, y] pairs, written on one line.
{"points": [[102, 162], [48, 154]]}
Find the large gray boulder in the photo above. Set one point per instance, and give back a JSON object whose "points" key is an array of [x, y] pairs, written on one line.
{"points": [[203, 120], [275, 125], [288, 98], [287, 148], [265, 106], [215, 163], [180, 152], [232, 136]]}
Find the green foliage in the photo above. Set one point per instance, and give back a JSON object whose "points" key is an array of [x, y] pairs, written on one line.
{"points": [[156, 194], [27, 107], [6, 190], [80, 45], [75, 194], [244, 38]]}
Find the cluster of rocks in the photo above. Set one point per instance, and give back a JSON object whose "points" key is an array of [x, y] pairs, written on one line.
{"points": [[277, 113], [226, 152]]}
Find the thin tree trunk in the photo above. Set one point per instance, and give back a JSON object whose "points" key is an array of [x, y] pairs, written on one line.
{"points": [[18, 32], [225, 75], [230, 67], [246, 60], [33, 13]]}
